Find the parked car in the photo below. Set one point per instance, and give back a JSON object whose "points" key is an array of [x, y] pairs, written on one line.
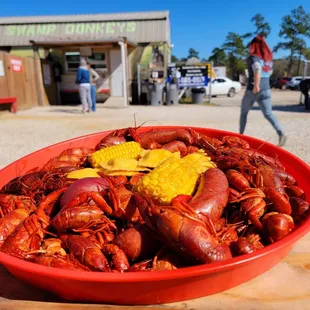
{"points": [[223, 86], [281, 83], [293, 84]]}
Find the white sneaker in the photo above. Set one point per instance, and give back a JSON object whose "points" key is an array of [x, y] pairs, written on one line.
{"points": [[282, 140]]}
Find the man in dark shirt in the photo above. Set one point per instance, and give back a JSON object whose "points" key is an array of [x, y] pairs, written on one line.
{"points": [[304, 87]]}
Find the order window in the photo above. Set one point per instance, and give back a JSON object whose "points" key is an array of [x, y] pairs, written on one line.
{"points": [[97, 59]]}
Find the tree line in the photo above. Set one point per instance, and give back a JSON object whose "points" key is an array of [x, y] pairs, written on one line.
{"points": [[295, 29]]}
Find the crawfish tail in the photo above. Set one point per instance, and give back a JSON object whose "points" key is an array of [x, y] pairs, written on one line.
{"points": [[274, 190], [9, 202], [76, 217], [188, 237], [10, 221], [59, 262], [26, 238]]}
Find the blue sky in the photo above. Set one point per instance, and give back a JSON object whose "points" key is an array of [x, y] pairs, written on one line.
{"points": [[200, 24]]}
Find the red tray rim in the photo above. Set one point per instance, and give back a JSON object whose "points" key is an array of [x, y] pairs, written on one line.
{"points": [[13, 263]]}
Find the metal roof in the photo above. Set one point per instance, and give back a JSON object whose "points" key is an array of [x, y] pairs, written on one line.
{"points": [[154, 15], [62, 43]]}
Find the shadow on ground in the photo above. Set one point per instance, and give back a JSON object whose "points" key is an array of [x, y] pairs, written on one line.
{"points": [[288, 108], [64, 110]]}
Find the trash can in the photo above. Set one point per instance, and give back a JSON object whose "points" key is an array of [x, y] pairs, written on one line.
{"points": [[134, 93], [197, 95], [172, 95], [150, 87], [156, 94]]}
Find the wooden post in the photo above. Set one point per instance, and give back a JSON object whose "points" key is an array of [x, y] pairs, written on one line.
{"points": [[210, 82], [125, 81], [127, 70], [38, 74]]}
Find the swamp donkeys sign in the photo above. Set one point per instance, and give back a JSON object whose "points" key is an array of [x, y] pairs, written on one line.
{"points": [[70, 29], [21, 35]]}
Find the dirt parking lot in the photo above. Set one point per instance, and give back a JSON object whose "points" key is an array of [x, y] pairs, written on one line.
{"points": [[33, 129], [279, 98]]}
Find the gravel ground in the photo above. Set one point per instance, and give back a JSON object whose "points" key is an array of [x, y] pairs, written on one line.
{"points": [[279, 98], [33, 129]]}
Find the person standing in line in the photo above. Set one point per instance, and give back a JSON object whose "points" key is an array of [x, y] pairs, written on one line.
{"points": [[260, 64], [94, 76], [83, 79]]}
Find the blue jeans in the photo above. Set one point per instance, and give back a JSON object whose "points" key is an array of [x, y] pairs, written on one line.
{"points": [[263, 98], [93, 97]]}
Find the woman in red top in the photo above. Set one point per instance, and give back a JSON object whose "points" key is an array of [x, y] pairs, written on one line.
{"points": [[260, 63]]}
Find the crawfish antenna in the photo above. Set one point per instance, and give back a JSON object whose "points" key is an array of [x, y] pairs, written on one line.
{"points": [[255, 151], [145, 122], [135, 121], [261, 145]]}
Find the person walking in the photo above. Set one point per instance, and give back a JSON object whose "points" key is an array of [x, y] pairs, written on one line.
{"points": [[260, 66], [83, 79], [304, 87], [94, 76]]}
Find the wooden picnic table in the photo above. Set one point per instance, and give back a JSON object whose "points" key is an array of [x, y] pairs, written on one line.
{"points": [[286, 286]]}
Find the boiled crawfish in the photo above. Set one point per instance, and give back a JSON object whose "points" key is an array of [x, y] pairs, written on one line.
{"points": [[37, 185], [68, 158], [9, 203], [183, 232]]}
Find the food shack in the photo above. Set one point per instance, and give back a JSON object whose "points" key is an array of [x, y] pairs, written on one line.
{"points": [[113, 43]]}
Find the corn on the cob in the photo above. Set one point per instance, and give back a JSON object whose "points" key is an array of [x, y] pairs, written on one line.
{"points": [[172, 177], [123, 150], [128, 164]]}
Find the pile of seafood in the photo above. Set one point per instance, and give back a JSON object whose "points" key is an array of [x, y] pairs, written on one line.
{"points": [[149, 201]]}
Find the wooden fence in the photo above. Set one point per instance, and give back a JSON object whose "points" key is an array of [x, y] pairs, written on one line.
{"points": [[20, 81]]}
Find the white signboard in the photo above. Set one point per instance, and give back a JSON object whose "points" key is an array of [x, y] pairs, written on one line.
{"points": [[1, 68], [47, 74]]}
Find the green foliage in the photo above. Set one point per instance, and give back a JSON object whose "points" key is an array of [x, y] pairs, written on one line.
{"points": [[236, 51], [262, 27], [235, 45], [218, 57], [235, 66], [174, 58], [192, 53], [294, 29], [306, 53]]}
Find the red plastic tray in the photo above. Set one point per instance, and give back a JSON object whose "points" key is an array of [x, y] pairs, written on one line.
{"points": [[154, 287]]}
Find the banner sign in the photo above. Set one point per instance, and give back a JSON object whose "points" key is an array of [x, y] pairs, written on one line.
{"points": [[190, 75], [16, 64]]}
